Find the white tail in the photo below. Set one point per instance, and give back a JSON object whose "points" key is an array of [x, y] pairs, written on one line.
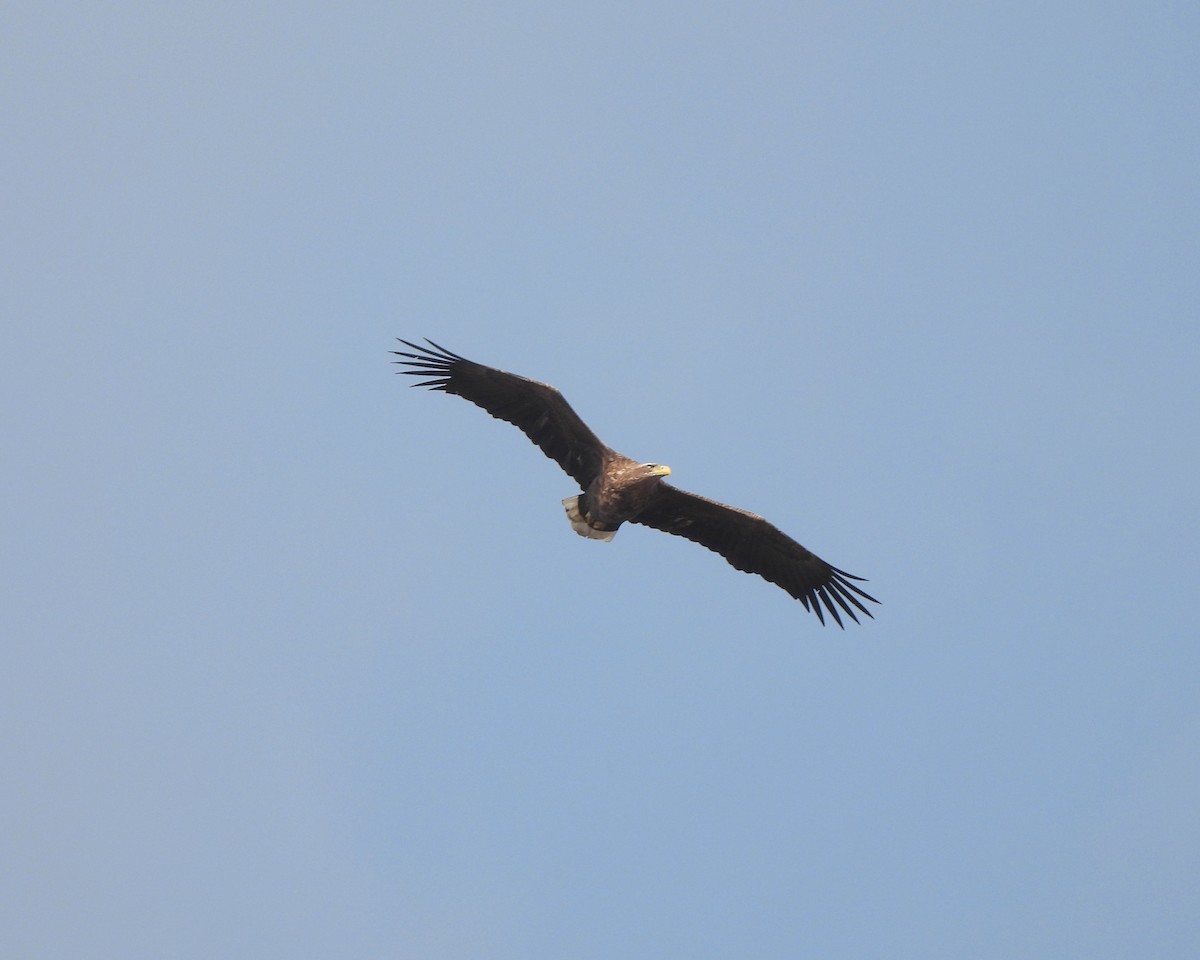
{"points": [[580, 525]]}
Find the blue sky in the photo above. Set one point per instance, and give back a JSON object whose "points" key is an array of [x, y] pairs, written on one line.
{"points": [[301, 663]]}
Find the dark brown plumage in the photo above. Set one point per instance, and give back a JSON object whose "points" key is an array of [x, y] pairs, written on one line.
{"points": [[615, 489]]}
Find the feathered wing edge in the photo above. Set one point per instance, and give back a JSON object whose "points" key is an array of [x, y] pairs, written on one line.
{"points": [[537, 409], [435, 363], [752, 544]]}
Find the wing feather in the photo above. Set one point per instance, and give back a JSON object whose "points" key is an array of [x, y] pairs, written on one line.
{"points": [[753, 545], [537, 409]]}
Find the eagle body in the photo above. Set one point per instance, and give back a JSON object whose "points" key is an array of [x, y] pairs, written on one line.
{"points": [[621, 491], [615, 489]]}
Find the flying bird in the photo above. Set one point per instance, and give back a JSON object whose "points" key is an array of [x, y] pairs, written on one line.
{"points": [[615, 489]]}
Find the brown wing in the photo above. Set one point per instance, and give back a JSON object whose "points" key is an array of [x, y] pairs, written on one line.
{"points": [[537, 409], [752, 544]]}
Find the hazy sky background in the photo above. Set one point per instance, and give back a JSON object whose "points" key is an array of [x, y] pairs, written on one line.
{"points": [[300, 663]]}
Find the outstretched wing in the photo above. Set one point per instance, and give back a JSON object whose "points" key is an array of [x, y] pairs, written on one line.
{"points": [[752, 544], [537, 409]]}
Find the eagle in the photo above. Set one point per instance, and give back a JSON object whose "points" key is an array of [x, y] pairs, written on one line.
{"points": [[615, 489]]}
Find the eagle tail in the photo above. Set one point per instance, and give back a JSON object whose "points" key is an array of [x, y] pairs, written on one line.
{"points": [[579, 522]]}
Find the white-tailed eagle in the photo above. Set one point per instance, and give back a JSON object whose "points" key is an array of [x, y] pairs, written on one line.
{"points": [[615, 489]]}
